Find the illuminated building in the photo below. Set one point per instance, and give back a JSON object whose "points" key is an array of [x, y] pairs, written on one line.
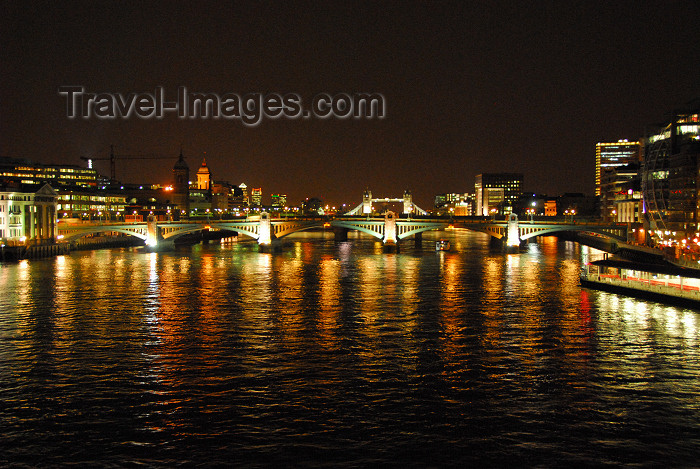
{"points": [[278, 200], [497, 192], [458, 204], [203, 177], [256, 197], [617, 185], [550, 208], [27, 215], [24, 171], [670, 173], [613, 155], [244, 194]]}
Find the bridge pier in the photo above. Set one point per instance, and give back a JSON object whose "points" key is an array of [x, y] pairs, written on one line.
{"points": [[154, 237], [265, 230], [512, 243], [340, 234], [418, 239], [390, 240]]}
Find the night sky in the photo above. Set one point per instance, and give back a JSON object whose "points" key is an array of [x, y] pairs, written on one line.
{"points": [[470, 87]]}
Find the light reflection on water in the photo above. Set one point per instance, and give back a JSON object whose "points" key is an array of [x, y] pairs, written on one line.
{"points": [[339, 354]]}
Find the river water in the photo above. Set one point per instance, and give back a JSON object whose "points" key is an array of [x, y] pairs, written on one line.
{"points": [[338, 355]]}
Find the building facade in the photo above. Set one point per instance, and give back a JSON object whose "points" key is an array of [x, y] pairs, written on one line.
{"points": [[27, 215], [497, 192], [613, 155], [669, 174], [24, 171], [256, 197]]}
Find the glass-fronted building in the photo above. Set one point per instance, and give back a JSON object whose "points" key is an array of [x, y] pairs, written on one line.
{"points": [[670, 174]]}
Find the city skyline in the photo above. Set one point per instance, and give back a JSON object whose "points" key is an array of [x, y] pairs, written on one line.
{"points": [[469, 89]]}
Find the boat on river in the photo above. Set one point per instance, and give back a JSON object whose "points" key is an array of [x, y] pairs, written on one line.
{"points": [[442, 245]]}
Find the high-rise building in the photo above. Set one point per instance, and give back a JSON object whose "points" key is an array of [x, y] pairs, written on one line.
{"points": [[613, 155], [245, 201], [256, 197], [496, 192], [670, 173]]}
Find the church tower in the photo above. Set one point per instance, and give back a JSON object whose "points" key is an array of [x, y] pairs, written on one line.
{"points": [[181, 186], [203, 176]]}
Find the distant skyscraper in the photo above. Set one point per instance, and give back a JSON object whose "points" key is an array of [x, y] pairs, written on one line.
{"points": [[244, 194], [256, 197], [494, 191], [613, 155]]}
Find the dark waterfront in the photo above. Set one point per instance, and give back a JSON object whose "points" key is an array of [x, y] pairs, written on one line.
{"points": [[336, 354]]}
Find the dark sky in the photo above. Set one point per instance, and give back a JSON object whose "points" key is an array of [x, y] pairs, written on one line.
{"points": [[470, 87]]}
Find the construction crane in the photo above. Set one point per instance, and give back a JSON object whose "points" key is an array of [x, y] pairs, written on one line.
{"points": [[113, 157]]}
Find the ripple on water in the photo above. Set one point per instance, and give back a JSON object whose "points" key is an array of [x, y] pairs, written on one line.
{"points": [[338, 355]]}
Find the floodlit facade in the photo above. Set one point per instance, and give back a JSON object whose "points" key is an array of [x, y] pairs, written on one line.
{"points": [[27, 215], [203, 177]]}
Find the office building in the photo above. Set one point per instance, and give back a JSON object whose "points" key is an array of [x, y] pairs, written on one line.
{"points": [[256, 197], [496, 193], [23, 171], [612, 155], [278, 200]]}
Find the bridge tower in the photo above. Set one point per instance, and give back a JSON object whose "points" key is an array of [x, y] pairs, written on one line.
{"points": [[367, 202], [407, 202], [513, 233]]}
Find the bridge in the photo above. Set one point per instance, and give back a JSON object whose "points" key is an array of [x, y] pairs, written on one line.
{"points": [[365, 208], [390, 229]]}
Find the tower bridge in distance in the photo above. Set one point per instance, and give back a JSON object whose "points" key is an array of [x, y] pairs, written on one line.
{"points": [[365, 208], [389, 228]]}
